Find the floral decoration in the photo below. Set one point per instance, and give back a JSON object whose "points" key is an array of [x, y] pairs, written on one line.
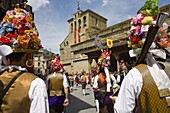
{"points": [[18, 30], [56, 66], [140, 24], [104, 59]]}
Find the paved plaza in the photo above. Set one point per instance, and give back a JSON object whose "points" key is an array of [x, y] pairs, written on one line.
{"points": [[80, 103]]}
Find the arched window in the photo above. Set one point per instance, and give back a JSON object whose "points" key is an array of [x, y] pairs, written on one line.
{"points": [[75, 25], [84, 21], [71, 27], [79, 23]]}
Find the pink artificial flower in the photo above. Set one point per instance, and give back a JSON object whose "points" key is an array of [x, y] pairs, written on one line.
{"points": [[104, 54], [9, 12], [56, 66], [28, 24], [134, 21]]}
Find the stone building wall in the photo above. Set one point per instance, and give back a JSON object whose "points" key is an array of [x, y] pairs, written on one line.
{"points": [[81, 54]]}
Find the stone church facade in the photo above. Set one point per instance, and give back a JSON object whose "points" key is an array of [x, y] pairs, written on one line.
{"points": [[78, 49]]}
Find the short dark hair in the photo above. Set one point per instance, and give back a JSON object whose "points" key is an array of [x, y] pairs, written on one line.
{"points": [[15, 56]]}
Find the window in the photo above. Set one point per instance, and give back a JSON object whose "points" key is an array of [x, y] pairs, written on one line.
{"points": [[84, 21], [79, 23], [38, 70], [96, 23], [38, 63], [75, 25], [71, 27]]}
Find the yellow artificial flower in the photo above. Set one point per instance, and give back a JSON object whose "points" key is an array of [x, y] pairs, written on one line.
{"points": [[35, 38], [28, 18], [27, 32], [23, 41], [18, 10]]}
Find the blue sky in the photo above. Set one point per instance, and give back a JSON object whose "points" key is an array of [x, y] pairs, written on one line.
{"points": [[51, 16]]}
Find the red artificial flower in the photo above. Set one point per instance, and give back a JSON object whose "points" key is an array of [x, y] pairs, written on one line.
{"points": [[12, 35], [22, 30], [135, 39], [23, 20], [5, 40]]}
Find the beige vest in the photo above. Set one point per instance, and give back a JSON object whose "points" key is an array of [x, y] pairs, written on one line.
{"points": [[16, 99], [149, 100], [55, 85]]}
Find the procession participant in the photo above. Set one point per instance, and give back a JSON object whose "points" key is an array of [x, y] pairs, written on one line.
{"points": [[57, 87], [104, 83], [94, 71], [122, 72], [145, 89], [20, 91], [76, 79], [68, 79], [71, 78], [84, 81]]}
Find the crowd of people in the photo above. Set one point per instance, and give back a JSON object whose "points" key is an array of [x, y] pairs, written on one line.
{"points": [[143, 89]]}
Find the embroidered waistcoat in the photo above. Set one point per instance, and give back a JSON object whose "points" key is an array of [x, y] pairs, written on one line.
{"points": [[55, 85], [149, 100], [16, 99]]}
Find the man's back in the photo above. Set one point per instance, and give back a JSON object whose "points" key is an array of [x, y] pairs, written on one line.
{"points": [[83, 78], [23, 94], [18, 92], [150, 99]]}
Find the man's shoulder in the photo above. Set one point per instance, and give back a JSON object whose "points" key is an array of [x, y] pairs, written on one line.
{"points": [[29, 75], [27, 78]]}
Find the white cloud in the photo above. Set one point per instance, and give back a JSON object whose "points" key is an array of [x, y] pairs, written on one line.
{"points": [[89, 1], [106, 2], [36, 4]]}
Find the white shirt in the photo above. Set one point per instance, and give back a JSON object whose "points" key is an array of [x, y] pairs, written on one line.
{"points": [[132, 84], [96, 78], [129, 92], [38, 96]]}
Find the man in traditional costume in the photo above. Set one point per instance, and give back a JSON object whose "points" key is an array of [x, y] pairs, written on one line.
{"points": [[104, 82], [20, 91], [146, 88], [57, 87], [84, 81], [94, 71]]}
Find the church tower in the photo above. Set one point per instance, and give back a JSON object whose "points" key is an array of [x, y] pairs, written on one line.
{"points": [[81, 25]]}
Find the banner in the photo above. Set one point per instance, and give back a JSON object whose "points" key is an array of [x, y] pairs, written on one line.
{"points": [[109, 43], [98, 41]]}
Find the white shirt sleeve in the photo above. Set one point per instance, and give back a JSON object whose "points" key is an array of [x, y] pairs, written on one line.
{"points": [[46, 81], [114, 81], [38, 96], [118, 78], [95, 84], [87, 79], [65, 81], [129, 92]]}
